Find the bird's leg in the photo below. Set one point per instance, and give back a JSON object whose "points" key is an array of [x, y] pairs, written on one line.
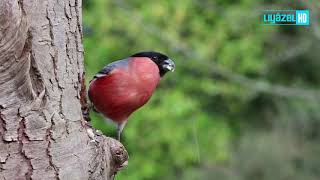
{"points": [[120, 127]]}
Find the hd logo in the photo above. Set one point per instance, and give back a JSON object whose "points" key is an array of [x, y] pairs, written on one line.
{"points": [[286, 17]]}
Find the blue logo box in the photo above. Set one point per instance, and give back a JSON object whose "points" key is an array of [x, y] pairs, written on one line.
{"points": [[286, 17]]}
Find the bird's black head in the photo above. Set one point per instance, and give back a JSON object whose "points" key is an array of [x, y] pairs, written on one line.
{"points": [[163, 62]]}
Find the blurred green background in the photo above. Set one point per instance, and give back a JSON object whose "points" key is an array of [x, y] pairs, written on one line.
{"points": [[243, 103]]}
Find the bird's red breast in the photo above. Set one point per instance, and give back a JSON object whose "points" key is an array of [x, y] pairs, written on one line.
{"points": [[127, 87]]}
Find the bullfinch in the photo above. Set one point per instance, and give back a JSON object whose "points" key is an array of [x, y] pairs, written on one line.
{"points": [[123, 86]]}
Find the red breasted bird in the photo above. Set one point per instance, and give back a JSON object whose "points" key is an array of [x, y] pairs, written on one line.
{"points": [[123, 86]]}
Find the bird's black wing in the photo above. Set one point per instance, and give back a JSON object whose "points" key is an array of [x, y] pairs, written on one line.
{"points": [[108, 68], [105, 71]]}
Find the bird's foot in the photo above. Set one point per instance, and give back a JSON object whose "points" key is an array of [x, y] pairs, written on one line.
{"points": [[86, 115], [92, 135], [98, 133]]}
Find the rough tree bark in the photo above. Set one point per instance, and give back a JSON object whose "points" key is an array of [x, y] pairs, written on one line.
{"points": [[42, 131]]}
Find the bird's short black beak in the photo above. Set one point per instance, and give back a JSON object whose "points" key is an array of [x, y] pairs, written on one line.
{"points": [[168, 65]]}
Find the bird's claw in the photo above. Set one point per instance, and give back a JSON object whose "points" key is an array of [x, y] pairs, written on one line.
{"points": [[92, 135]]}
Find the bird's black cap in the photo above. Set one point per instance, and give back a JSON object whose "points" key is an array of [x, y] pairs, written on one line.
{"points": [[163, 62]]}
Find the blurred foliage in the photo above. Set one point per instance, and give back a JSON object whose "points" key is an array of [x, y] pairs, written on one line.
{"points": [[243, 102]]}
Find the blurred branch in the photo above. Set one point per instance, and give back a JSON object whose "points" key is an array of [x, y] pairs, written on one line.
{"points": [[253, 84], [264, 86], [292, 52]]}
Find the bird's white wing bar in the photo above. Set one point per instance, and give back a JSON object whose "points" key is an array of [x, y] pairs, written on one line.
{"points": [[108, 68]]}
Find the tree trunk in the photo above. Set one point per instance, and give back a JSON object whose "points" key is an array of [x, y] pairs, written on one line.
{"points": [[42, 131]]}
